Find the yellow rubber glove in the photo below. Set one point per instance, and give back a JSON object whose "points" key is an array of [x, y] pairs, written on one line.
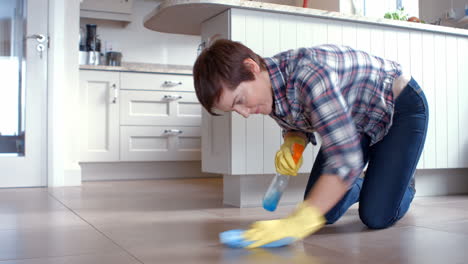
{"points": [[304, 221], [288, 159]]}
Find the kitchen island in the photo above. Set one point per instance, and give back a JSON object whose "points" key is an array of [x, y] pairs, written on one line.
{"points": [[243, 149]]}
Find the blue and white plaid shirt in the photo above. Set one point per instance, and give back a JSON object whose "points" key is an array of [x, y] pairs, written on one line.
{"points": [[337, 92]]}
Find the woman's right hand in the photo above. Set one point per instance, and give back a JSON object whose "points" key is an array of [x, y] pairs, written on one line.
{"points": [[288, 159]]}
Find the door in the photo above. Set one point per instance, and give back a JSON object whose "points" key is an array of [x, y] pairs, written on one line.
{"points": [[99, 104], [23, 93]]}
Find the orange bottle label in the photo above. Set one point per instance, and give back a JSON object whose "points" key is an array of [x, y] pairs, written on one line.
{"points": [[297, 150]]}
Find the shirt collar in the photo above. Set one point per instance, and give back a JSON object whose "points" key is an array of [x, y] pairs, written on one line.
{"points": [[278, 85]]}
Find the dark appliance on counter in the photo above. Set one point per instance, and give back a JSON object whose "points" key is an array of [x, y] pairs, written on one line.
{"points": [[113, 58], [90, 46]]}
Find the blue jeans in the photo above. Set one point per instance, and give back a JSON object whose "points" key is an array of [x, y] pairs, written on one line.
{"points": [[386, 192]]}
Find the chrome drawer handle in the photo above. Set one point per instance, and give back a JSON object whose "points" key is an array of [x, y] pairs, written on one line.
{"points": [[172, 97], [172, 132], [172, 83]]}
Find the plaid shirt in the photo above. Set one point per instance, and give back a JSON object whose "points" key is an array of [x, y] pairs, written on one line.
{"points": [[337, 92]]}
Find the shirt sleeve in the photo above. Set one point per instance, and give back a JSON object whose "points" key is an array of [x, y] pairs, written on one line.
{"points": [[330, 117]]}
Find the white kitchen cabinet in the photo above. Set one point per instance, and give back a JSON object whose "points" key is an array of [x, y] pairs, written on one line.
{"points": [[131, 116], [216, 132], [99, 109], [160, 143], [243, 149], [160, 118], [159, 107], [119, 10], [430, 57]]}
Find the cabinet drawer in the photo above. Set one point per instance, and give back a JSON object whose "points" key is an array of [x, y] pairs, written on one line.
{"points": [[159, 108], [156, 81], [161, 143]]}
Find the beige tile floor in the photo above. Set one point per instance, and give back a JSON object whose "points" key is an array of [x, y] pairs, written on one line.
{"points": [[178, 221]]}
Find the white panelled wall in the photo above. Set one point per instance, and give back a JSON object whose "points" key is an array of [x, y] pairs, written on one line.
{"points": [[433, 59]]}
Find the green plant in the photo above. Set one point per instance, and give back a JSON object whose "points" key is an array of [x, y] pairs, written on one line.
{"points": [[397, 15]]}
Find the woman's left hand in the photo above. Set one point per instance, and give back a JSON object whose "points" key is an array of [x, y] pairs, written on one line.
{"points": [[304, 221]]}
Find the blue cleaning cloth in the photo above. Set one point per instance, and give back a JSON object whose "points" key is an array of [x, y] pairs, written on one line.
{"points": [[234, 239]]}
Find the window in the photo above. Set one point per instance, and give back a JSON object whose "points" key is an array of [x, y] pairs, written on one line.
{"points": [[372, 8]]}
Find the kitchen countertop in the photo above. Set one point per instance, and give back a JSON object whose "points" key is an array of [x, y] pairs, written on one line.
{"points": [[142, 67], [166, 17]]}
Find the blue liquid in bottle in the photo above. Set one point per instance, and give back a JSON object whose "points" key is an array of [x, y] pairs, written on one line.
{"points": [[274, 192]]}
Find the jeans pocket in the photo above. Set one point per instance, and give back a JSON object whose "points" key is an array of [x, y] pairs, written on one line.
{"points": [[411, 100]]}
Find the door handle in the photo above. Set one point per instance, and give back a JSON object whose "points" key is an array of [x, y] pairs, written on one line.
{"points": [[38, 37], [172, 83], [114, 100], [172, 97]]}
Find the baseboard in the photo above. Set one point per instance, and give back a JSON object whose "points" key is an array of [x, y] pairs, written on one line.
{"points": [[438, 182], [72, 177], [106, 171], [248, 190]]}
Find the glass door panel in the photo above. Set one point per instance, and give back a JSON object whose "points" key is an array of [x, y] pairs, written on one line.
{"points": [[12, 127]]}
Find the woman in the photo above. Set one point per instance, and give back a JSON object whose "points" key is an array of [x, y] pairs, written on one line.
{"points": [[365, 109]]}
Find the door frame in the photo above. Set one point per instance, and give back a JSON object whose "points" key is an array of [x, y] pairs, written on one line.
{"points": [[63, 89]]}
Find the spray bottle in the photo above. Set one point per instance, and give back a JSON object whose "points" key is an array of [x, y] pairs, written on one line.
{"points": [[280, 182]]}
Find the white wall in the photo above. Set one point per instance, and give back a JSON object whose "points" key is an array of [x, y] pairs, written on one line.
{"points": [[431, 10], [379, 8], [139, 44], [63, 155], [367, 8]]}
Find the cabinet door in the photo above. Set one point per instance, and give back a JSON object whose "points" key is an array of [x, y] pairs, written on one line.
{"points": [[99, 108], [218, 147], [159, 143], [114, 6], [159, 108]]}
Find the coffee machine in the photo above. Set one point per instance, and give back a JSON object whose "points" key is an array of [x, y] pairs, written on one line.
{"points": [[90, 46]]}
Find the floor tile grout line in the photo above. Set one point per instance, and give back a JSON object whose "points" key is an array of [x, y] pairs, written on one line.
{"points": [[95, 228], [51, 257], [445, 231]]}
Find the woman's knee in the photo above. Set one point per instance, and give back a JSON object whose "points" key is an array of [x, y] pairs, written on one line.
{"points": [[377, 220]]}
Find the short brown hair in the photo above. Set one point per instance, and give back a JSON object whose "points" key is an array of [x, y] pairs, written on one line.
{"points": [[222, 64]]}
